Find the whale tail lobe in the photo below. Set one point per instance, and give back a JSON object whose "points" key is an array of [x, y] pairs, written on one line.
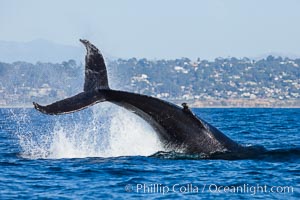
{"points": [[95, 69], [95, 81]]}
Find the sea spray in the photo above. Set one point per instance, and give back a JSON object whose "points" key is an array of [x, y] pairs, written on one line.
{"points": [[130, 135], [101, 131]]}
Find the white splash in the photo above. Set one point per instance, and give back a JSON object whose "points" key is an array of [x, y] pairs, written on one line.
{"points": [[121, 134]]}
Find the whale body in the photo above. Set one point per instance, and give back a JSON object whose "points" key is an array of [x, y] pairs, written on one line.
{"points": [[177, 127]]}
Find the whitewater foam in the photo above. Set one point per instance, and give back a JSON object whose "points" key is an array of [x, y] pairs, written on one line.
{"points": [[108, 131]]}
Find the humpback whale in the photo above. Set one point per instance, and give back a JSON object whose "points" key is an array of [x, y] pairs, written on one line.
{"points": [[177, 127]]}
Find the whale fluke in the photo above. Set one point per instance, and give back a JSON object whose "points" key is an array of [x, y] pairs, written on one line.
{"points": [[95, 79]]}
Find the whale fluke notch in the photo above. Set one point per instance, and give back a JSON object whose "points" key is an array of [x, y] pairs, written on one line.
{"points": [[95, 69]]}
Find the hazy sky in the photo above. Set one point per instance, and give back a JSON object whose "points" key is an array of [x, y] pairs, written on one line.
{"points": [[159, 28]]}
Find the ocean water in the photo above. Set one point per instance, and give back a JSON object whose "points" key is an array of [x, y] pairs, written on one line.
{"points": [[108, 152]]}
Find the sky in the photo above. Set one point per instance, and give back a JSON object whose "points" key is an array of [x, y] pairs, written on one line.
{"points": [[156, 29]]}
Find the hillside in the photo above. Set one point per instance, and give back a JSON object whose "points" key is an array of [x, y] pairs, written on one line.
{"points": [[269, 82]]}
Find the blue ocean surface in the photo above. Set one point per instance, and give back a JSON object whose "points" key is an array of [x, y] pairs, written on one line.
{"points": [[105, 152]]}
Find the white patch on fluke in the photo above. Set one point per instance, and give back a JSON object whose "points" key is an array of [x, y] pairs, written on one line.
{"points": [[121, 134]]}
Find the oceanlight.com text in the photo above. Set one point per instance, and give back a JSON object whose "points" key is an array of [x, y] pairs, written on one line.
{"points": [[212, 188]]}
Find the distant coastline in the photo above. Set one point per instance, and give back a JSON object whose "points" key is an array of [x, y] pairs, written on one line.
{"points": [[224, 82], [228, 103]]}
